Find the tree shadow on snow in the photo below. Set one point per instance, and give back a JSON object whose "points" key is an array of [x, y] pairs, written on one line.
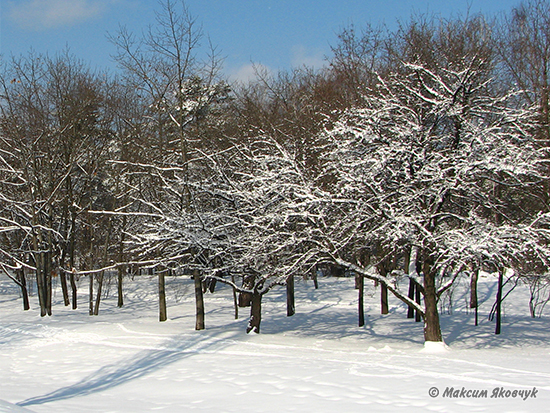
{"points": [[516, 331], [143, 363]]}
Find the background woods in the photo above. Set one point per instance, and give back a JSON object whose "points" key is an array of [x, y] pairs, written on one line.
{"points": [[415, 159]]}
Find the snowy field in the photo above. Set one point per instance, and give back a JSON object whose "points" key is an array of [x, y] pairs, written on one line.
{"points": [[124, 360]]}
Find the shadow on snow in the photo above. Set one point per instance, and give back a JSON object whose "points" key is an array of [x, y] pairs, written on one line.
{"points": [[143, 363]]}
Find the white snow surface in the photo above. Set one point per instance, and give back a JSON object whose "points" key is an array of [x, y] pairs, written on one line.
{"points": [[124, 360]]}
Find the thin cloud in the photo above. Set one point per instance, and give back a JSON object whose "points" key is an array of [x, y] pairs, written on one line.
{"points": [[249, 73], [48, 14], [302, 57]]}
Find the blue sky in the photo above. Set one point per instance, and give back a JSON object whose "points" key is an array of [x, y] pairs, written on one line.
{"points": [[278, 34]]}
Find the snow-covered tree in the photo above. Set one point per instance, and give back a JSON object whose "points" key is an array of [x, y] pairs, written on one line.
{"points": [[436, 160]]}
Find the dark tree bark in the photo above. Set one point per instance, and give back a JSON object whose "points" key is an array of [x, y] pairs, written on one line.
{"points": [[361, 301], [418, 298], [24, 292], [384, 308], [212, 285], [245, 299], [162, 297], [499, 301], [99, 292], [290, 304], [314, 277], [72, 280], [199, 301], [473, 293], [91, 298], [48, 274], [121, 269], [235, 299], [120, 292], [383, 269], [43, 282], [64, 287], [432, 328], [255, 314], [410, 311], [41, 288]]}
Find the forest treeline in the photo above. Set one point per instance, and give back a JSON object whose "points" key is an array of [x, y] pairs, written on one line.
{"points": [[416, 157]]}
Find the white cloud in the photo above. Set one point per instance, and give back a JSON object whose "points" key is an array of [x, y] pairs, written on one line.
{"points": [[249, 72], [302, 57], [47, 14]]}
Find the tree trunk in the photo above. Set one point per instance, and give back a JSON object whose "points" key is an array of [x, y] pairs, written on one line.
{"points": [[384, 309], [290, 305], [120, 294], [73, 288], [314, 276], [418, 298], [410, 258], [91, 298], [432, 329], [199, 301], [99, 290], [48, 274], [121, 269], [64, 288], [41, 287], [255, 314], [499, 301], [235, 300], [473, 293], [410, 311], [72, 277], [245, 299], [24, 293], [44, 284], [162, 297], [212, 285], [361, 301]]}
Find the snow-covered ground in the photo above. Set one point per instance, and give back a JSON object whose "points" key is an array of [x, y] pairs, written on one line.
{"points": [[124, 360]]}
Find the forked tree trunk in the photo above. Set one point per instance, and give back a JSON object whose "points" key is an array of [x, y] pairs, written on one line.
{"points": [[290, 304], [361, 306], [199, 301], [162, 297], [432, 328], [255, 314], [99, 292], [64, 288], [24, 292], [473, 293], [43, 283]]}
